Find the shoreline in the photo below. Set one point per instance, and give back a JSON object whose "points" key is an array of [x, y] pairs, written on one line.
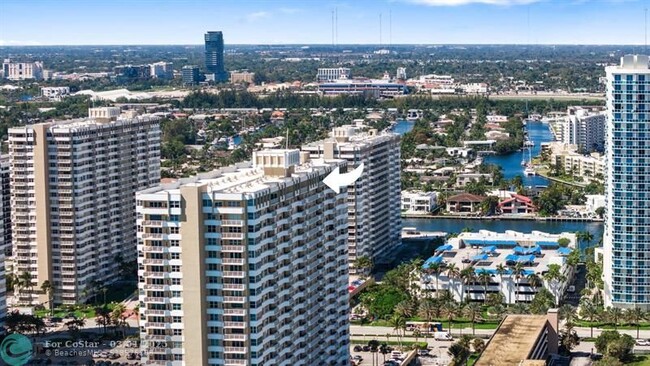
{"points": [[501, 218]]}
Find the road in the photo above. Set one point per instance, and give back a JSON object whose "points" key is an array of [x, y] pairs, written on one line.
{"points": [[365, 331]]}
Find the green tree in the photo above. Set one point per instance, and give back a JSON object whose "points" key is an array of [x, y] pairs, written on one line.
{"points": [[478, 344], [635, 316], [590, 312], [554, 277], [484, 277], [398, 324], [473, 312], [404, 309], [459, 354], [450, 310], [613, 316], [614, 344], [364, 264], [48, 289], [435, 269], [564, 242]]}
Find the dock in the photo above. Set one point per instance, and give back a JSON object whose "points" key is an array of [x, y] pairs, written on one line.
{"points": [[411, 233]]}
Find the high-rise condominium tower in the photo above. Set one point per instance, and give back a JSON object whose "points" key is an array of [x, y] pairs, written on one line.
{"points": [[374, 223], [626, 240], [73, 187], [245, 266], [214, 56]]}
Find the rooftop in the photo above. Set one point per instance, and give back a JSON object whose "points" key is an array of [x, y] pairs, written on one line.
{"points": [[486, 250], [513, 340], [86, 122], [242, 178]]}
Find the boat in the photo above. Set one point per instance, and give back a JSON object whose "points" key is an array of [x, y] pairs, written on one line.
{"points": [[530, 172], [524, 162]]}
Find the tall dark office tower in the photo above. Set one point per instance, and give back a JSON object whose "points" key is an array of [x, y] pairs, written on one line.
{"points": [[214, 56]]}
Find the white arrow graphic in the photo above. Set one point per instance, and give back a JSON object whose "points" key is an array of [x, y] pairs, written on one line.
{"points": [[335, 180]]}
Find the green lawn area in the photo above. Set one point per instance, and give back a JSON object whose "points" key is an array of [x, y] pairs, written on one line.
{"points": [[640, 361], [405, 343], [456, 324], [586, 324], [115, 293]]}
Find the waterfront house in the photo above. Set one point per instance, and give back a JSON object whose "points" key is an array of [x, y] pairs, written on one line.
{"points": [[464, 203], [517, 204]]}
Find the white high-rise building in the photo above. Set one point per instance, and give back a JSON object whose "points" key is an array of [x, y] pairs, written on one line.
{"points": [[245, 266], [22, 70], [73, 187], [162, 70], [585, 128], [374, 212], [626, 242], [333, 74], [5, 233]]}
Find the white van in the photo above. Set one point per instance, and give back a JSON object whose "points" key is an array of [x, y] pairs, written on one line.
{"points": [[442, 336]]}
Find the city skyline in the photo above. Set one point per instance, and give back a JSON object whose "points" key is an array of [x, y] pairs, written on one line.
{"points": [[254, 22]]}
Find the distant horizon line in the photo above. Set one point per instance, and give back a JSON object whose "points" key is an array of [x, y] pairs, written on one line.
{"points": [[380, 46]]}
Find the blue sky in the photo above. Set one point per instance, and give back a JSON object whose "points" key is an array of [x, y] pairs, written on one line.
{"points": [[77, 22]]}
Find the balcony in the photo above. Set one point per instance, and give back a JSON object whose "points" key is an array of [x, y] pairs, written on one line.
{"points": [[236, 312], [236, 363], [154, 249], [156, 223], [234, 299], [235, 350], [154, 261], [235, 274], [152, 236], [234, 337], [237, 261], [233, 248], [233, 286], [232, 222], [154, 287], [232, 235], [160, 300], [155, 274], [236, 325]]}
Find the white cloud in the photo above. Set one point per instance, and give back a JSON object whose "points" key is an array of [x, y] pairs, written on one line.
{"points": [[290, 10], [258, 15], [467, 2], [18, 43]]}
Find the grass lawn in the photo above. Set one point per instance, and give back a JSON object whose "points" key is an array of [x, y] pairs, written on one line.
{"points": [[640, 361], [422, 345], [115, 293], [456, 324], [586, 324]]}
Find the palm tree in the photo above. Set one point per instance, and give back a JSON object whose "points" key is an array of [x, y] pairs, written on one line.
{"points": [[453, 274], [48, 289], [467, 276], [450, 310], [404, 309], [435, 269], [501, 270], [25, 282], [364, 264], [613, 315], [554, 277], [459, 353], [473, 312], [517, 271], [534, 281], [427, 311], [635, 316], [485, 278], [398, 323], [590, 312], [568, 313]]}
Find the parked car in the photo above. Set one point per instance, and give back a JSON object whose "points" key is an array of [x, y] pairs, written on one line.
{"points": [[423, 352], [442, 336], [642, 342], [365, 348], [357, 348], [357, 358]]}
